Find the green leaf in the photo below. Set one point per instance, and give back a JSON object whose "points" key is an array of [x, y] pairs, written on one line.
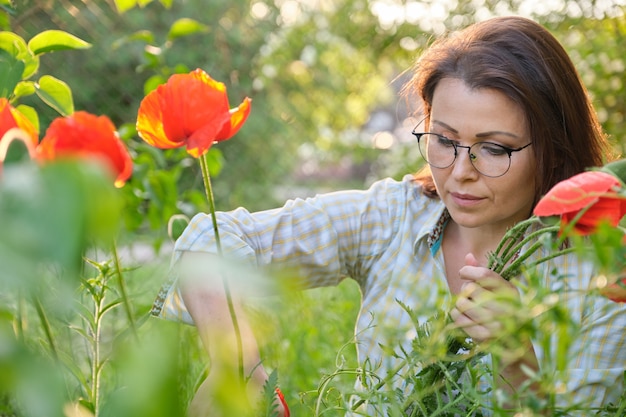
{"points": [[617, 169], [12, 43], [141, 35], [124, 5], [80, 204], [56, 94], [5, 22], [215, 161], [153, 82], [11, 70], [185, 27], [16, 46], [176, 225], [30, 114], [24, 89], [55, 40]]}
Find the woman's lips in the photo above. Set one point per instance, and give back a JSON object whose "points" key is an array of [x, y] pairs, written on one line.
{"points": [[465, 200]]}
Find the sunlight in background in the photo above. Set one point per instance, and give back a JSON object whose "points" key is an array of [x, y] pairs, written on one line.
{"points": [[429, 16]]}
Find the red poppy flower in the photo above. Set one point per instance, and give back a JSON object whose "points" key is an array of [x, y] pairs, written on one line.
{"points": [[190, 110], [11, 118], [281, 397], [593, 189], [615, 292], [85, 135]]}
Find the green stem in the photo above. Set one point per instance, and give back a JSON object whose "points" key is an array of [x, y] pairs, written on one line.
{"points": [[96, 365], [508, 245], [46, 326], [19, 319], [382, 382], [229, 299], [501, 258], [622, 406], [516, 233], [123, 292], [552, 256]]}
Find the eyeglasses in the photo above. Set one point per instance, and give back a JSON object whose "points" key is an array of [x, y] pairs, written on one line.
{"points": [[490, 159]]}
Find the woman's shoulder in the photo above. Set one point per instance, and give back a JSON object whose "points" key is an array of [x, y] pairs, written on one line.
{"points": [[406, 189]]}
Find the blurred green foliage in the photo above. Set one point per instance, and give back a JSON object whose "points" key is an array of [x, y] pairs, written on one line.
{"points": [[318, 73]]}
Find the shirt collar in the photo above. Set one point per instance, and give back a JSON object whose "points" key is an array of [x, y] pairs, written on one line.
{"points": [[432, 229]]}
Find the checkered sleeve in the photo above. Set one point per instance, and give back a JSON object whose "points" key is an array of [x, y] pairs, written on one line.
{"points": [[322, 239]]}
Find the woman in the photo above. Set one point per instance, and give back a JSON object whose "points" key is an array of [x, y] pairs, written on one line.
{"points": [[506, 117]]}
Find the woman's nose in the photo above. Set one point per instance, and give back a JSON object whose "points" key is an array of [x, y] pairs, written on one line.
{"points": [[463, 163]]}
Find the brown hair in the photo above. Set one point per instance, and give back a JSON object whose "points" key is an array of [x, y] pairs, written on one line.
{"points": [[521, 59]]}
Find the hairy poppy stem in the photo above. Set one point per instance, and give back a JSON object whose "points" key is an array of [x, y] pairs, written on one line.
{"points": [[229, 298]]}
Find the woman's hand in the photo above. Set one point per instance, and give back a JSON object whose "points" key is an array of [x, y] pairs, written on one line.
{"points": [[484, 303], [487, 309]]}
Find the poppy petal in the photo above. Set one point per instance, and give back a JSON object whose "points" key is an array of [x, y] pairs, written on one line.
{"points": [[11, 117], [281, 398], [238, 117], [609, 209], [192, 100], [201, 140], [575, 193], [85, 135], [150, 121]]}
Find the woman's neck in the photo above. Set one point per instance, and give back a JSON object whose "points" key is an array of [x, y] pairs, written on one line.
{"points": [[480, 241]]}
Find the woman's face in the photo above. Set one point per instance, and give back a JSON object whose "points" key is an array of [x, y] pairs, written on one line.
{"points": [[467, 116]]}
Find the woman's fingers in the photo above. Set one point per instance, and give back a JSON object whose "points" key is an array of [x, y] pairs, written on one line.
{"points": [[478, 332], [482, 306]]}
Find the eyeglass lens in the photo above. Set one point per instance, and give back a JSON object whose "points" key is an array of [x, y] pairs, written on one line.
{"points": [[489, 159]]}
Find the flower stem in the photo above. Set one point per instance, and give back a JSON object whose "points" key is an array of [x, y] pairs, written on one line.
{"points": [[515, 249], [229, 298], [46, 326], [509, 245], [123, 292]]}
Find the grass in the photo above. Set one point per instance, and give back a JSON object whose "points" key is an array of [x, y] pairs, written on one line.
{"points": [[309, 338], [304, 336]]}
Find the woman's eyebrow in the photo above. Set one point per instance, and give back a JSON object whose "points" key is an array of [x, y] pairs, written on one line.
{"points": [[445, 126], [496, 132], [478, 135]]}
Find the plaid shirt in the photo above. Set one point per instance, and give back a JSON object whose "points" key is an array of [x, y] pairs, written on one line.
{"points": [[387, 238]]}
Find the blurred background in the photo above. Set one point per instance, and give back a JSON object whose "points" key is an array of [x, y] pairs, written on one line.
{"points": [[324, 76]]}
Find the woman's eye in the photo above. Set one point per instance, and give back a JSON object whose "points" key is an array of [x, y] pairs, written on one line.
{"points": [[444, 141], [493, 149]]}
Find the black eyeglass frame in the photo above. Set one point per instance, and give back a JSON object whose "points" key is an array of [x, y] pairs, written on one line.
{"points": [[472, 157]]}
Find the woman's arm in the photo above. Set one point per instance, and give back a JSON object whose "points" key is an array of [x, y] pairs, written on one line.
{"points": [[204, 295]]}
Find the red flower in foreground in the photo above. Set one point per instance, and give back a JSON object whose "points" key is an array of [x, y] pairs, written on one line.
{"points": [[190, 110], [10, 118], [85, 135], [615, 292], [281, 397], [592, 189]]}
